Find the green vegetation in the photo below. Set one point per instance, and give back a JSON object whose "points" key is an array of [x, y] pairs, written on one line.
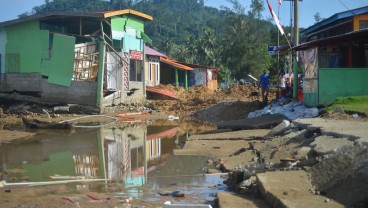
{"points": [[356, 104], [234, 39]]}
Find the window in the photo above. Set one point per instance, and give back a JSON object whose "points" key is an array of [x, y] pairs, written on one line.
{"points": [[135, 71], [363, 24]]}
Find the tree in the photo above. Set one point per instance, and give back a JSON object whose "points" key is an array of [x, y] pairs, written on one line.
{"points": [[246, 40], [317, 17]]}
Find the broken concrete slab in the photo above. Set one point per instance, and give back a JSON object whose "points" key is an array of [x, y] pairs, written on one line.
{"points": [[234, 135], [261, 122], [231, 200], [291, 189], [343, 175], [281, 128], [338, 128], [323, 145]]}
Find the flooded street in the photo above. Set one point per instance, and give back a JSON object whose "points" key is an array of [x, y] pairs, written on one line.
{"points": [[133, 162]]}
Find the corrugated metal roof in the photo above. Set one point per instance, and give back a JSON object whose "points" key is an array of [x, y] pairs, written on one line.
{"points": [[335, 17], [152, 52], [214, 68], [98, 15], [175, 64], [351, 36]]}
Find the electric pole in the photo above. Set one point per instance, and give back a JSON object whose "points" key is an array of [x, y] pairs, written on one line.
{"points": [[295, 43]]}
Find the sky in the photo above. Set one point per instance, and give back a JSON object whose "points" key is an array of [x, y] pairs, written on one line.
{"points": [[10, 9], [307, 9]]}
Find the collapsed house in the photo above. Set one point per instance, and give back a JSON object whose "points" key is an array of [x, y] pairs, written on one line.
{"points": [[87, 58]]}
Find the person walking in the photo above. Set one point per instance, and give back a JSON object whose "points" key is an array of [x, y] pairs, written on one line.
{"points": [[264, 84]]}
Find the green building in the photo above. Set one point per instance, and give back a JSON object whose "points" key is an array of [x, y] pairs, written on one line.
{"points": [[88, 58], [334, 57]]}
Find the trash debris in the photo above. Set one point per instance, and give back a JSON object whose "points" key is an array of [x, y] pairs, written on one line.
{"points": [[171, 117], [37, 124], [173, 193], [61, 109], [131, 114], [293, 110], [168, 204]]}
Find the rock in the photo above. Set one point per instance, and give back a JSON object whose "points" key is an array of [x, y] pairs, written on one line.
{"points": [[326, 144]]}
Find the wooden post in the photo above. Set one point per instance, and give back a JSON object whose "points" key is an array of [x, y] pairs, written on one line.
{"points": [[186, 79], [350, 55], [176, 78], [100, 75]]}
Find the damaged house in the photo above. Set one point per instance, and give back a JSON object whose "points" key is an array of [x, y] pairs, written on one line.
{"points": [[87, 58]]}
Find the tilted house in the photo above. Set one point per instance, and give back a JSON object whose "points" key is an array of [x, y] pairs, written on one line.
{"points": [[89, 58], [334, 57]]}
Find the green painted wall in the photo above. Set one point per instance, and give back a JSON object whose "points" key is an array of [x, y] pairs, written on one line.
{"points": [[310, 92], [3, 40], [27, 50], [341, 82], [60, 66], [61, 163], [26, 46], [131, 33], [310, 99]]}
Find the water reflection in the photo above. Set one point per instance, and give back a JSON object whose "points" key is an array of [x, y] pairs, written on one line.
{"points": [[138, 157]]}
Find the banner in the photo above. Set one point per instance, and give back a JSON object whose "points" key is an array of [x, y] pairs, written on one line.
{"points": [[274, 16]]}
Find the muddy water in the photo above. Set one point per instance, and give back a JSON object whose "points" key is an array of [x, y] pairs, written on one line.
{"points": [[136, 161]]}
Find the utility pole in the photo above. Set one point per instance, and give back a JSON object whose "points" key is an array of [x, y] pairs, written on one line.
{"points": [[295, 43]]}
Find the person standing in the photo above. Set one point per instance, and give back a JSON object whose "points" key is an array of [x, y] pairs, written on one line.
{"points": [[264, 84]]}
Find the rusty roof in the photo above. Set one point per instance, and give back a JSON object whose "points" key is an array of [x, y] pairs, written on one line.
{"points": [[97, 15], [175, 64]]}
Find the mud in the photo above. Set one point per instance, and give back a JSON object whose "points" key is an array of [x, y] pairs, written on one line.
{"points": [[339, 175]]}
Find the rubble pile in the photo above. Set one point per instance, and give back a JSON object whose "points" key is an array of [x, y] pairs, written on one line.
{"points": [[200, 97]]}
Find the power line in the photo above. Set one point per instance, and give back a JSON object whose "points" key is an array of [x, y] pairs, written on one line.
{"points": [[344, 5]]}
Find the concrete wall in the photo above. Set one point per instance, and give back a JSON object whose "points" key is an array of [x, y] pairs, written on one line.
{"points": [[79, 92], [3, 41], [341, 82], [24, 82]]}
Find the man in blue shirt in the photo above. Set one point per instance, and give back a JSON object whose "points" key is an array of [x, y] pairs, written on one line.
{"points": [[264, 83]]}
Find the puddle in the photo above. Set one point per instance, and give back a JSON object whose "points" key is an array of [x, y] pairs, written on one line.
{"points": [[135, 160]]}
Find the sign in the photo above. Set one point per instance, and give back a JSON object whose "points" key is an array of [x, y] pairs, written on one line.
{"points": [[136, 55], [272, 50]]}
